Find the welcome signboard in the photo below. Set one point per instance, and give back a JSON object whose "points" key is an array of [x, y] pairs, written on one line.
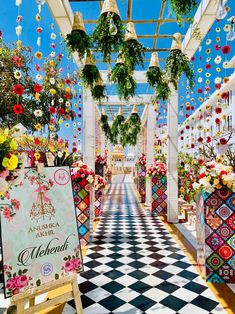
{"points": [[39, 233]]}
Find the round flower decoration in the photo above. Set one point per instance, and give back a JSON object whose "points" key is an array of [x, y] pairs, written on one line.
{"points": [[17, 74], [38, 55], [18, 89], [226, 49], [38, 113], [18, 109], [217, 59], [217, 39]]}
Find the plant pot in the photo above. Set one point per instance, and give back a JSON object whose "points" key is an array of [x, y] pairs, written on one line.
{"points": [[216, 236]]}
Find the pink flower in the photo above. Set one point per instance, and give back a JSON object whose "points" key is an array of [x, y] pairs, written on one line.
{"points": [[10, 284], [76, 263], [21, 281], [69, 266], [7, 213], [16, 204]]}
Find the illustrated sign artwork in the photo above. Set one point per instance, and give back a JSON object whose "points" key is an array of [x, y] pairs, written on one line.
{"points": [[39, 230]]}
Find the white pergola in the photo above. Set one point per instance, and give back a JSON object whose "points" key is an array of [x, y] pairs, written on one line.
{"points": [[203, 20]]}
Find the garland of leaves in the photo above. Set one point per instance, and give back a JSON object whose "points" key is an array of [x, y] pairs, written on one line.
{"points": [[133, 127], [126, 84], [154, 76], [90, 75], [105, 126], [177, 63], [182, 7], [133, 52], [103, 40], [98, 92], [162, 91], [78, 41], [117, 128]]}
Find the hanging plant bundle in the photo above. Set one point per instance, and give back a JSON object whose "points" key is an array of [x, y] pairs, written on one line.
{"points": [[154, 76], [132, 50], [162, 91], [105, 125], [78, 41], [108, 34], [98, 91], [90, 73], [126, 84], [177, 63], [117, 127], [182, 7], [134, 127]]}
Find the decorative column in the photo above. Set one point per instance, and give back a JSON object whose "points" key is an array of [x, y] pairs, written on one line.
{"points": [[89, 142], [172, 157], [151, 130]]}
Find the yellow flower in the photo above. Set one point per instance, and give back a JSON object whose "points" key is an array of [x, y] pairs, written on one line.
{"points": [[38, 17], [182, 190], [224, 117], [18, 44], [37, 96], [60, 121], [60, 85], [2, 138], [216, 182], [38, 55], [208, 51], [199, 70], [67, 110], [218, 69], [67, 89], [219, 186], [52, 149], [218, 133], [52, 63], [13, 145], [208, 107], [38, 126], [37, 155], [208, 82], [10, 163], [219, 160], [52, 91], [51, 127]]}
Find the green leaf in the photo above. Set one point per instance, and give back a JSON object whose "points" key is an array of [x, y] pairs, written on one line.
{"points": [[57, 276], [38, 283]]}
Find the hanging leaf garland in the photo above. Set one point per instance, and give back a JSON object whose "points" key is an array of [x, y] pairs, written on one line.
{"points": [[90, 73], [162, 90], [98, 91], [177, 63], [78, 41], [108, 34], [132, 50], [117, 127], [105, 125], [154, 76], [182, 8], [126, 84], [133, 127]]}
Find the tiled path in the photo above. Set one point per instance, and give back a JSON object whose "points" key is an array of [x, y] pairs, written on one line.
{"points": [[135, 266]]}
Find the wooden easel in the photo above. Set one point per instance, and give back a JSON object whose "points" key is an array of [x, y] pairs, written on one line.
{"points": [[20, 300]]}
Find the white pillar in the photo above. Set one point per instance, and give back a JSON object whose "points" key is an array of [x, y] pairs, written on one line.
{"points": [[151, 130], [102, 142], [172, 157], [89, 129]]}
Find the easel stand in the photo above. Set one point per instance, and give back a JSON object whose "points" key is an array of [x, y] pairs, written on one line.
{"points": [[20, 300]]}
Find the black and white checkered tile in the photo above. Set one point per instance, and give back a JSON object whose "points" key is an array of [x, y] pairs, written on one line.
{"points": [[135, 266]]}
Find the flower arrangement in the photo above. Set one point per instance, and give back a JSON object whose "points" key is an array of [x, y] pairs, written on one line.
{"points": [[99, 182], [80, 172], [101, 160], [158, 168], [9, 159], [73, 263], [16, 282], [213, 175], [141, 160]]}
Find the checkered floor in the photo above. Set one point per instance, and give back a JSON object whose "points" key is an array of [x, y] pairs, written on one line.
{"points": [[135, 266]]}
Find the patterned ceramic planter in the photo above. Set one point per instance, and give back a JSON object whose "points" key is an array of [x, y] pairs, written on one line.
{"points": [[82, 193], [141, 182], [159, 197], [99, 169], [98, 203], [216, 235]]}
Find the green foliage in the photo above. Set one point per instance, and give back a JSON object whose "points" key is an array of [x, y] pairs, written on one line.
{"points": [[133, 53], [65, 160], [177, 63], [105, 126], [162, 91], [117, 129], [78, 41], [98, 92], [133, 127], [154, 76], [103, 40], [90, 75], [126, 84], [182, 8]]}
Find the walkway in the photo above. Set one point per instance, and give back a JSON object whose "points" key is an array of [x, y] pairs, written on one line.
{"points": [[134, 265]]}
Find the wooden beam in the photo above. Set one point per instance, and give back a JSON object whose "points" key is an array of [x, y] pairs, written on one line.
{"points": [[145, 50], [144, 21], [145, 60], [159, 23], [129, 10]]}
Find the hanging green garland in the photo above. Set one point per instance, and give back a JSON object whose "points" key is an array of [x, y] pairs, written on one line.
{"points": [[117, 127], [178, 63], [78, 41], [182, 7], [98, 92], [154, 76], [134, 127], [108, 34], [126, 84], [90, 73], [162, 91], [105, 125]]}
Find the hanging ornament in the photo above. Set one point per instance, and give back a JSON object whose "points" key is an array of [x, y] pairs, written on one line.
{"points": [[231, 34], [221, 10], [112, 27]]}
